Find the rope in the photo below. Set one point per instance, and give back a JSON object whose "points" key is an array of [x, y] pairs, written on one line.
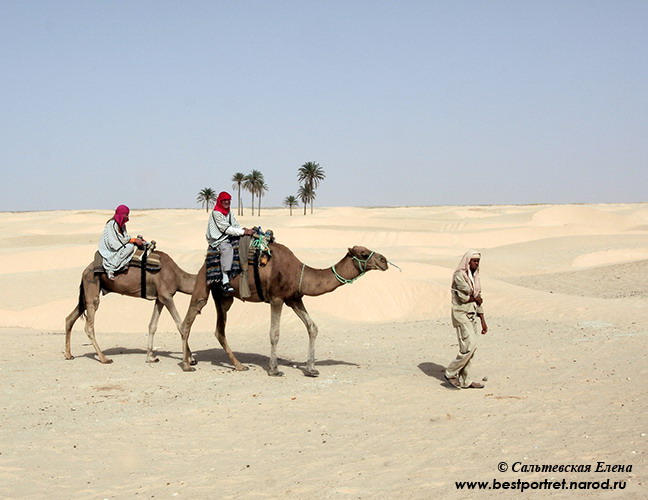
{"points": [[260, 242], [394, 265], [362, 267], [301, 277]]}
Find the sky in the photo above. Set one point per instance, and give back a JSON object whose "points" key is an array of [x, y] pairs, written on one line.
{"points": [[401, 103]]}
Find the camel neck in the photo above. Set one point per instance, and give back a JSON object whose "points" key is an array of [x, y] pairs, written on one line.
{"points": [[320, 281]]}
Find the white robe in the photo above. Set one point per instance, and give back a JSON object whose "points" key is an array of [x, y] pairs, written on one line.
{"points": [[115, 248]]}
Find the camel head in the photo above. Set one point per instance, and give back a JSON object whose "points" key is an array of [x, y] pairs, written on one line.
{"points": [[368, 260]]}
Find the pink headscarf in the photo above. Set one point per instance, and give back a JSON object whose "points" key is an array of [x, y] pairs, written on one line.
{"points": [[473, 279], [121, 213], [224, 195]]}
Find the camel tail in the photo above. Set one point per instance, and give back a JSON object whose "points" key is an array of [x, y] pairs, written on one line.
{"points": [[81, 305]]}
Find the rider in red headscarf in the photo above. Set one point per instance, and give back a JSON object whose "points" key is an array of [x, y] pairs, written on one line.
{"points": [[221, 227], [223, 196]]}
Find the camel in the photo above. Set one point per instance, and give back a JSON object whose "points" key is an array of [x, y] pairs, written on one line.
{"points": [[284, 280], [161, 286]]}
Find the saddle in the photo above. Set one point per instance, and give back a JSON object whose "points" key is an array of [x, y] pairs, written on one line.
{"points": [[151, 261]]}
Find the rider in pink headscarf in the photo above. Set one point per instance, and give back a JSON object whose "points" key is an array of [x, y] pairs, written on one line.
{"points": [[466, 308], [115, 245]]}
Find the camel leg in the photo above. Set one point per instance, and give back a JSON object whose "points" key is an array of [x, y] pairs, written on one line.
{"points": [[222, 306], [157, 309], [92, 292], [76, 313], [69, 323], [171, 307], [199, 298], [275, 321], [302, 313]]}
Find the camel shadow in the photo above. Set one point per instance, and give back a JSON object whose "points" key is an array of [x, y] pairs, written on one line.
{"points": [[436, 371], [118, 351], [218, 357]]}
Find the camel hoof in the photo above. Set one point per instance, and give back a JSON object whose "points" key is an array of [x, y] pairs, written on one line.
{"points": [[106, 361], [311, 373], [242, 368], [187, 367], [193, 362], [276, 374], [69, 356], [152, 360]]}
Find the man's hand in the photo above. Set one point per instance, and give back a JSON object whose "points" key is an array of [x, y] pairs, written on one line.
{"points": [[248, 231]]}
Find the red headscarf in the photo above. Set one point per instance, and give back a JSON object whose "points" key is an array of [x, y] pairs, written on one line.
{"points": [[121, 213], [219, 205]]}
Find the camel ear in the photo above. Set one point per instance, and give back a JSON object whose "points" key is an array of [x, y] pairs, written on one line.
{"points": [[351, 251]]}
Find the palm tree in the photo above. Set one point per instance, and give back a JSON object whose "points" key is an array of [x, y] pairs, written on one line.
{"points": [[291, 202], [310, 173], [262, 187], [207, 198], [306, 195], [238, 179], [251, 184]]}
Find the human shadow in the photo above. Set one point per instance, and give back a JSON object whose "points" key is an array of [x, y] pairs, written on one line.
{"points": [[437, 371]]}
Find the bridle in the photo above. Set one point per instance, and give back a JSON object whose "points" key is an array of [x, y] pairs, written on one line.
{"points": [[362, 267]]}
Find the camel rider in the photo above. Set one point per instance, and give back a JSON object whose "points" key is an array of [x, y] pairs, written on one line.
{"points": [[221, 228], [115, 245]]}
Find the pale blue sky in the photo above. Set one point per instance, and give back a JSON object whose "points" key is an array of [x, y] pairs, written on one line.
{"points": [[401, 102]]}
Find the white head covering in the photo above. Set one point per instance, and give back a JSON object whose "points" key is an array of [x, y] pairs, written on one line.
{"points": [[464, 266]]}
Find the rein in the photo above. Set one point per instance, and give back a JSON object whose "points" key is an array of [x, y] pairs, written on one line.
{"points": [[362, 267]]}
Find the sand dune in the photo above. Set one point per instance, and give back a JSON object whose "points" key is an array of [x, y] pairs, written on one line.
{"points": [[565, 297]]}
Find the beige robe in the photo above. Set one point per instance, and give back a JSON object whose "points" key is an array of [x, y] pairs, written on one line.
{"points": [[465, 321]]}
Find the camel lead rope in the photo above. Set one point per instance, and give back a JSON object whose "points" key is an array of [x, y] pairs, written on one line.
{"points": [[392, 264]]}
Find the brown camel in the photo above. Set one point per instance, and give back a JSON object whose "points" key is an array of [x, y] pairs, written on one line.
{"points": [[161, 286], [284, 280]]}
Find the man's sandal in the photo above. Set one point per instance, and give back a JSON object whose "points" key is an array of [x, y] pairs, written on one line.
{"points": [[452, 381]]}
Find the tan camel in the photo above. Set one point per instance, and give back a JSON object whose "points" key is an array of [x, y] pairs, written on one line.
{"points": [[161, 286], [284, 280]]}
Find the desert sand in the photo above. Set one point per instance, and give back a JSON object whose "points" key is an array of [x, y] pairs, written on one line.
{"points": [[565, 296]]}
